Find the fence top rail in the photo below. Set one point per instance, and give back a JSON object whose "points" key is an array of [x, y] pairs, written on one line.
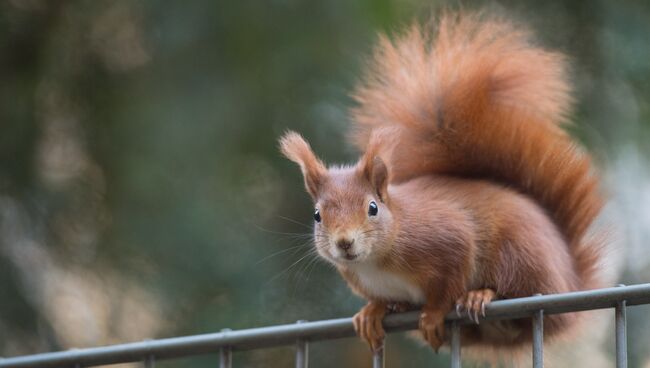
{"points": [[262, 337]]}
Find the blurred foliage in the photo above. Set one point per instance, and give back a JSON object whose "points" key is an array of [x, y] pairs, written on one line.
{"points": [[142, 194]]}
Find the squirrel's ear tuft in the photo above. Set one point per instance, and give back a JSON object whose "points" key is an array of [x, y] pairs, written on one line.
{"points": [[296, 149]]}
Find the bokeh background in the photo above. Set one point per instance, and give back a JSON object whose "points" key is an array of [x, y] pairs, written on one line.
{"points": [[142, 194]]}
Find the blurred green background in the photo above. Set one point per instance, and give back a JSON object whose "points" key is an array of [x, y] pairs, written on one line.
{"points": [[142, 194]]}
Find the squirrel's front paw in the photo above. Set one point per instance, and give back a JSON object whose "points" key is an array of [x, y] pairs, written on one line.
{"points": [[432, 326], [367, 324]]}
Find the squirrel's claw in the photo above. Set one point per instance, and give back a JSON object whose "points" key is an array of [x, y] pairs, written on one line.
{"points": [[399, 307], [474, 303]]}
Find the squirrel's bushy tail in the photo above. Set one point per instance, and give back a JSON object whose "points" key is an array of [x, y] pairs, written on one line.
{"points": [[474, 97]]}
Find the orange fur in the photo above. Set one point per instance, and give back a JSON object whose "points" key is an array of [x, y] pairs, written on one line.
{"points": [[477, 185]]}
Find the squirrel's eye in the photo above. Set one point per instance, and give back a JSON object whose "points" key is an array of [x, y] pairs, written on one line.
{"points": [[317, 216], [372, 209]]}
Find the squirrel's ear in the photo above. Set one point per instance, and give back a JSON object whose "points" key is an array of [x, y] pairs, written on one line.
{"points": [[296, 149], [375, 171], [372, 167]]}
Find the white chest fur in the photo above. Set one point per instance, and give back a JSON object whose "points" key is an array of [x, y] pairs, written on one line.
{"points": [[387, 285]]}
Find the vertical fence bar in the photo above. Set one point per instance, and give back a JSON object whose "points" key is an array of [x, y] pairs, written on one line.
{"points": [[538, 339], [378, 357], [621, 336], [302, 351], [225, 354], [149, 362], [455, 345]]}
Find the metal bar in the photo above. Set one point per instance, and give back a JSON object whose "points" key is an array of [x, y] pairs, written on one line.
{"points": [[455, 344], [378, 358], [621, 336], [225, 357], [255, 338], [302, 351], [149, 362], [538, 339], [225, 353]]}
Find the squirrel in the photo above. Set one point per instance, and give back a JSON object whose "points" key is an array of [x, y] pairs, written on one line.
{"points": [[468, 190]]}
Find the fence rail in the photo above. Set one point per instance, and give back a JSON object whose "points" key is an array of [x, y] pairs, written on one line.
{"points": [[302, 333]]}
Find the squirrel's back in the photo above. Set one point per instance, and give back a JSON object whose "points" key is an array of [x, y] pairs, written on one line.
{"points": [[473, 97]]}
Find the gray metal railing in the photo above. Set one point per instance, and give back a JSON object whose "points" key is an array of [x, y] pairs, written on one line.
{"points": [[302, 333]]}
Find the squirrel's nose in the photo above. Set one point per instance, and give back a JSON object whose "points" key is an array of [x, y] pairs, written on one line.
{"points": [[344, 244]]}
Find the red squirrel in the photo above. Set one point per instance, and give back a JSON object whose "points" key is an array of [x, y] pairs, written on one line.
{"points": [[468, 189]]}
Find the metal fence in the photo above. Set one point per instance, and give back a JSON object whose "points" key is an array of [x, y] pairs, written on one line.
{"points": [[302, 333]]}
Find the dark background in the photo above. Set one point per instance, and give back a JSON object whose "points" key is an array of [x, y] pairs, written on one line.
{"points": [[142, 194]]}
